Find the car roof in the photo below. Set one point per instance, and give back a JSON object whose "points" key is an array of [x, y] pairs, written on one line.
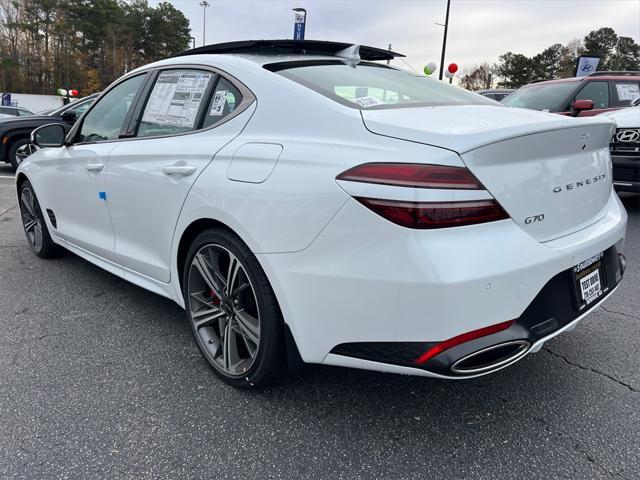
{"points": [[599, 76], [257, 50]]}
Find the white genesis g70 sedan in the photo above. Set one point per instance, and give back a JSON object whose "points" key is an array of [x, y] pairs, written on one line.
{"points": [[306, 204]]}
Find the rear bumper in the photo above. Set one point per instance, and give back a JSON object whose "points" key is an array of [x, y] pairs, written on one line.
{"points": [[626, 173], [366, 280]]}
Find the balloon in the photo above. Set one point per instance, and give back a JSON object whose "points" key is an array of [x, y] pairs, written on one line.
{"points": [[453, 68], [448, 74], [430, 68]]}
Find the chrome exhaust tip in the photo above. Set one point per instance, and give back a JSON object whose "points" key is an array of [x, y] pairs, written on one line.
{"points": [[491, 358]]}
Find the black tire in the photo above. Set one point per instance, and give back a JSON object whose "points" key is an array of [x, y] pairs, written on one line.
{"points": [[13, 159], [35, 227], [270, 362]]}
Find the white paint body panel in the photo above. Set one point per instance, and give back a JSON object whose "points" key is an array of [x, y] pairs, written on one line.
{"points": [[340, 272]]}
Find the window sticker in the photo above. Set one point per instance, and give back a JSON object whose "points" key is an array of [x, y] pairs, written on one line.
{"points": [[218, 103], [628, 91], [368, 101], [175, 99]]}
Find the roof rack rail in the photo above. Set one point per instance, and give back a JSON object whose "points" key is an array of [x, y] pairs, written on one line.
{"points": [[304, 47], [614, 72]]}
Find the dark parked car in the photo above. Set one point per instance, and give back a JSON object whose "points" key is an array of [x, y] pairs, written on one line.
{"points": [[497, 94], [15, 111], [15, 131], [580, 96]]}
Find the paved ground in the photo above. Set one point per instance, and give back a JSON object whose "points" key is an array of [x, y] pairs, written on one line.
{"points": [[101, 379]]}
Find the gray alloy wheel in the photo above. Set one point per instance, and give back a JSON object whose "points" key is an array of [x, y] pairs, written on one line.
{"points": [[33, 222], [223, 310], [31, 219]]}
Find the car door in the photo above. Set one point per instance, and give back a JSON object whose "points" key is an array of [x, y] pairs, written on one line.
{"points": [[189, 114], [75, 175], [598, 92]]}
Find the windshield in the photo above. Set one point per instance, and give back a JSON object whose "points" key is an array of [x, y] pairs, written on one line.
{"points": [[549, 97], [71, 105], [374, 86]]}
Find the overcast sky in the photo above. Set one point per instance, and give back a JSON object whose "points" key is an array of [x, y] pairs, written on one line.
{"points": [[479, 30]]}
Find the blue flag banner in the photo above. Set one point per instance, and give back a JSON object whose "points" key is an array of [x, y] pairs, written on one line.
{"points": [[6, 100], [298, 28]]}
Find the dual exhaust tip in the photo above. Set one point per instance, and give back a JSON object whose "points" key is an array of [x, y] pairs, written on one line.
{"points": [[491, 358]]}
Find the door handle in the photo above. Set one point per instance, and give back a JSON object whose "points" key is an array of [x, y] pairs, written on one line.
{"points": [[95, 167], [182, 170]]}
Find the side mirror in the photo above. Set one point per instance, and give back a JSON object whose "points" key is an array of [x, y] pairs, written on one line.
{"points": [[51, 135], [582, 105], [69, 116]]}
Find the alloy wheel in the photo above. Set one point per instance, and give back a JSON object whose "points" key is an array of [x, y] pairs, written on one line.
{"points": [[223, 310], [31, 219]]}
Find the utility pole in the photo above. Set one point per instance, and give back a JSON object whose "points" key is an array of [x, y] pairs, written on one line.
{"points": [[204, 4], [444, 40]]}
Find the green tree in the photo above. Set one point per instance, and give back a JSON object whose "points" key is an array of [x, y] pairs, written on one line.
{"points": [[601, 42], [627, 55], [514, 69], [547, 63]]}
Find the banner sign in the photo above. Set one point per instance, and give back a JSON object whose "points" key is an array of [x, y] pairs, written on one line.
{"points": [[586, 65], [6, 100], [298, 28]]}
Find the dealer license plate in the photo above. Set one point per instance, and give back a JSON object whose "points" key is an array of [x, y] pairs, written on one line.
{"points": [[589, 280]]}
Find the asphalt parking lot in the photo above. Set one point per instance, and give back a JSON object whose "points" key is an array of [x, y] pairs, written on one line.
{"points": [[101, 379]]}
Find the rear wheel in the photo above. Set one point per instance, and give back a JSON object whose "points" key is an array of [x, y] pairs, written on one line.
{"points": [[33, 222], [15, 156], [233, 311]]}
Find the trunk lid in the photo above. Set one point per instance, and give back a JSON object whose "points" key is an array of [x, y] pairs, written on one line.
{"points": [[552, 174]]}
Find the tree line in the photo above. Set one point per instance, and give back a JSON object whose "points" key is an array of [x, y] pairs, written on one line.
{"points": [[557, 61], [83, 44]]}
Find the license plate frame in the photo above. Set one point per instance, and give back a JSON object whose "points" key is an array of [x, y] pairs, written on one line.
{"points": [[589, 281]]}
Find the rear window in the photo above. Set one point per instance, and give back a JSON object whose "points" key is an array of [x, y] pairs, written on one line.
{"points": [[550, 97], [374, 86]]}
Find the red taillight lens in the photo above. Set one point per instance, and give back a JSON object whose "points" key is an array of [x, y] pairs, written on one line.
{"points": [[413, 175], [425, 215], [465, 337]]}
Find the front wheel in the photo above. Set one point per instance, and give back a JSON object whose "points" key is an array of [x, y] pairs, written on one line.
{"points": [[233, 311], [33, 222], [16, 151]]}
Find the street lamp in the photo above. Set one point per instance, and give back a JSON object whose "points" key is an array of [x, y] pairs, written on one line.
{"points": [[444, 39], [204, 4]]}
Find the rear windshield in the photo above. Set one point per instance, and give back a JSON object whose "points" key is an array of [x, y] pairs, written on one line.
{"points": [[550, 97], [372, 86]]}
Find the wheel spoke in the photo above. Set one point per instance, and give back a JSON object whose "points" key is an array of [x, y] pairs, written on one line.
{"points": [[234, 268], [28, 202], [249, 326], [37, 236], [206, 316], [206, 271], [30, 224]]}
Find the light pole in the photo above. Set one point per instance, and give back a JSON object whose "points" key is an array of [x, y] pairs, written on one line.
{"points": [[204, 4], [444, 40]]}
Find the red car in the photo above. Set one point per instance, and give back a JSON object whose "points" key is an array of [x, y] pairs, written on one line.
{"points": [[579, 96]]}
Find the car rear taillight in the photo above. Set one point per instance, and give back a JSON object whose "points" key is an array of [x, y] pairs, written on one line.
{"points": [[413, 175], [438, 348], [425, 214]]}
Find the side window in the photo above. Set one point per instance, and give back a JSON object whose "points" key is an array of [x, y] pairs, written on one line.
{"points": [[104, 121], [23, 113], [175, 102], [80, 109], [626, 93], [225, 99], [598, 92]]}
